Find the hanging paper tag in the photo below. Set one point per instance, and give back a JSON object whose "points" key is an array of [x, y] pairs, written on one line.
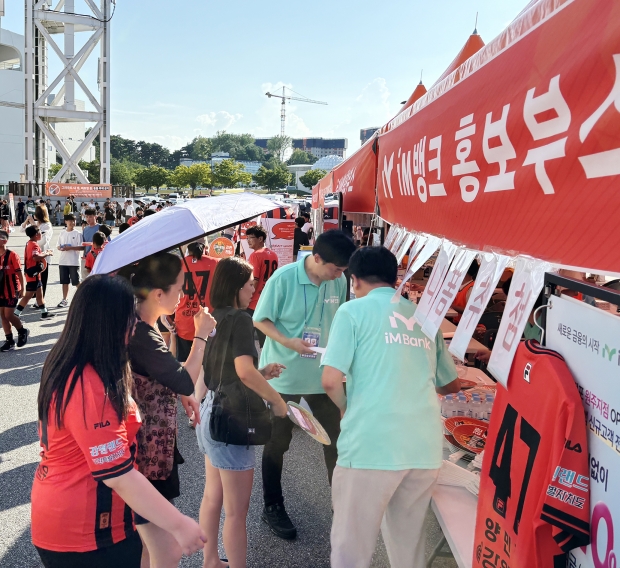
{"points": [[404, 247], [391, 235], [401, 233], [446, 254], [448, 291], [491, 270], [526, 284], [426, 245]]}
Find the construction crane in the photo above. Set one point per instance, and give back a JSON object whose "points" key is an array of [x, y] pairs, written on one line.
{"points": [[285, 98]]}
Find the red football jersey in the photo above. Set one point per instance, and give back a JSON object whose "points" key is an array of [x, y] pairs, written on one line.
{"points": [[534, 504], [265, 263], [197, 280], [72, 509], [11, 265], [32, 249]]}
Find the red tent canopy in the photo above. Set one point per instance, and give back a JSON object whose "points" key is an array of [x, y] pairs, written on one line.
{"points": [[471, 47]]}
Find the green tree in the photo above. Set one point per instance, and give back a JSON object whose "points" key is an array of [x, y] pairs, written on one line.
{"points": [[273, 179], [120, 172], [301, 157], [159, 176], [225, 142], [191, 176], [52, 171], [229, 173], [312, 177], [279, 145], [93, 169], [143, 179], [200, 148]]}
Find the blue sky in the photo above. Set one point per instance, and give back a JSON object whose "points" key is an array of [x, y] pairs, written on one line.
{"points": [[186, 67]]}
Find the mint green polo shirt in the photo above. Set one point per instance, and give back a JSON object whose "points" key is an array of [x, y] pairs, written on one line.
{"points": [[292, 302], [392, 421]]}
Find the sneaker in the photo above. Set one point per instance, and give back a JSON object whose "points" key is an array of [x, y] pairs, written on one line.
{"points": [[22, 337], [279, 522], [63, 304], [35, 306], [9, 345], [46, 315]]}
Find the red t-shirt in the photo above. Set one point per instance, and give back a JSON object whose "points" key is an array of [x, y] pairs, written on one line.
{"points": [[533, 505], [265, 263], [133, 220], [32, 249], [89, 261], [72, 509], [11, 285], [201, 274]]}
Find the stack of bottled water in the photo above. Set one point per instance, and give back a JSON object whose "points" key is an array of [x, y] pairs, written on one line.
{"points": [[478, 405]]}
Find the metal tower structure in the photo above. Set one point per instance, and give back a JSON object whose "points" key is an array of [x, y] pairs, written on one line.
{"points": [[285, 98], [43, 25]]}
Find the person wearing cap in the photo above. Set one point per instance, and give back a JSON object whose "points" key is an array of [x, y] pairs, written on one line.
{"points": [[390, 446], [295, 312]]}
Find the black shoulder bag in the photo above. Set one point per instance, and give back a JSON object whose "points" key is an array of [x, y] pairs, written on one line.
{"points": [[239, 416]]}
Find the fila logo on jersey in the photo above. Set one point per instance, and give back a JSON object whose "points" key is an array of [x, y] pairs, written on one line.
{"points": [[403, 338], [576, 448], [102, 424], [526, 372]]}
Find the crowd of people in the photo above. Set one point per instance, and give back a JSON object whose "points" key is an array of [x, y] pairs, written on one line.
{"points": [[104, 492]]}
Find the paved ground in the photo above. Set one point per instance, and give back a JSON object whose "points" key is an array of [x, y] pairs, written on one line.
{"points": [[306, 488]]}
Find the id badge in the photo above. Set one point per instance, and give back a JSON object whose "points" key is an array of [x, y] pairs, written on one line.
{"points": [[313, 336]]}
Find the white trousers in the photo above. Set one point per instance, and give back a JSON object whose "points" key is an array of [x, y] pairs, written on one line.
{"points": [[366, 500]]}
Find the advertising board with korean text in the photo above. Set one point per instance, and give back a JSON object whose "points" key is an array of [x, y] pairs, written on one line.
{"points": [[57, 189], [522, 154], [589, 340]]}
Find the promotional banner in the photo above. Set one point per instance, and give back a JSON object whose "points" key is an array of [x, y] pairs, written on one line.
{"points": [[280, 236], [355, 178], [404, 247], [322, 188], [521, 152], [221, 248], [448, 291], [526, 284], [54, 189], [435, 280], [491, 269], [589, 340]]}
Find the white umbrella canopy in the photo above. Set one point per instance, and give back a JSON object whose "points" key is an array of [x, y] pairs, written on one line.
{"points": [[178, 225]]}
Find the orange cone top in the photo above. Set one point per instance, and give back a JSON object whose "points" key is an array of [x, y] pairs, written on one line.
{"points": [[472, 46]]}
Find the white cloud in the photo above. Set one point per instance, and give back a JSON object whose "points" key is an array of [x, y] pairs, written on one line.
{"points": [[221, 120], [375, 96]]}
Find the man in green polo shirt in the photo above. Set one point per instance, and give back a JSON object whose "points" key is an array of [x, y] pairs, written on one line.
{"points": [[390, 446], [295, 312]]}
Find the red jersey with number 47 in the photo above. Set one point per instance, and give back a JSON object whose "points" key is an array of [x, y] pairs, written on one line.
{"points": [[265, 263], [197, 283], [533, 505]]}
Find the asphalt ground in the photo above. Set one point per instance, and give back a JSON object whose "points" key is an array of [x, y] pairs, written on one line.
{"points": [[305, 484]]}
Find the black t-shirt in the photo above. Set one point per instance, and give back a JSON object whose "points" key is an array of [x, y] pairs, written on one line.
{"points": [[151, 358], [109, 214], [300, 239], [241, 329]]}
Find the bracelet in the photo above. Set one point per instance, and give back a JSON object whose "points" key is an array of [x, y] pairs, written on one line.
{"points": [[202, 338]]}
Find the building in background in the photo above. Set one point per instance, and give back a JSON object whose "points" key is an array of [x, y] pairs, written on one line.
{"points": [[366, 133], [217, 157], [327, 163], [318, 147], [299, 170], [11, 108], [71, 134]]}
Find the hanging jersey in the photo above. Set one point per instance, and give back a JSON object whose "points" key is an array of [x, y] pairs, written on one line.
{"points": [[73, 510], [10, 267], [196, 289], [533, 505], [265, 263]]}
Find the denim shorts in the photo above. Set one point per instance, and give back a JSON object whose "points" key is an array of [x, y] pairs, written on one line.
{"points": [[221, 456]]}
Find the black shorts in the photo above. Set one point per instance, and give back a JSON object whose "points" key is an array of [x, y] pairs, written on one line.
{"points": [[34, 286], [69, 274], [124, 554], [8, 302]]}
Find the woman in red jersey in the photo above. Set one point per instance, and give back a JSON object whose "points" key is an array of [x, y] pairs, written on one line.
{"points": [[86, 485]]}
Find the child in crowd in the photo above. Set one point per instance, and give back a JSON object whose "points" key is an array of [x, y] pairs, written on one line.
{"points": [[99, 241], [11, 288], [70, 243]]}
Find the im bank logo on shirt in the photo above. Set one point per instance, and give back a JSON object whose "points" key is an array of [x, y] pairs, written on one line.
{"points": [[398, 319], [332, 300]]}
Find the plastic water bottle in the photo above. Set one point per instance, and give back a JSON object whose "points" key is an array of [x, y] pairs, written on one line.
{"points": [[489, 407], [476, 406], [462, 408], [448, 406]]}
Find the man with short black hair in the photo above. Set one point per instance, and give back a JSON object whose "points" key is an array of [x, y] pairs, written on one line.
{"points": [[70, 244], [389, 452], [88, 231], [295, 312]]}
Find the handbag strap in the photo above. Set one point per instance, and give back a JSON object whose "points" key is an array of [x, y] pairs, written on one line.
{"points": [[225, 347]]}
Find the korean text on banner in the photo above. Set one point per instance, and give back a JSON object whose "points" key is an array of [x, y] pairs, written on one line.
{"points": [[589, 341], [319, 191], [449, 289], [356, 177], [431, 244], [100, 191], [525, 286], [490, 272], [506, 157], [442, 264], [280, 236]]}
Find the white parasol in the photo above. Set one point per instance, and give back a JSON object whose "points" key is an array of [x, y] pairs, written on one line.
{"points": [[179, 225]]}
